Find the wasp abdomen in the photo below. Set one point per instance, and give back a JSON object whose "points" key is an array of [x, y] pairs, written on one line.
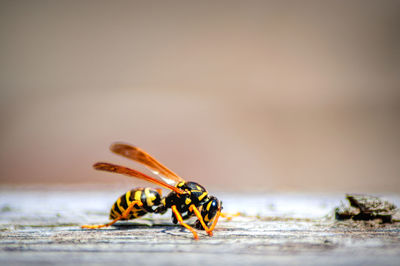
{"points": [[149, 197]]}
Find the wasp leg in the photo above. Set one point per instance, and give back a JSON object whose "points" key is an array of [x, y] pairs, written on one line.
{"points": [[215, 220], [229, 216], [180, 220], [200, 218], [122, 216]]}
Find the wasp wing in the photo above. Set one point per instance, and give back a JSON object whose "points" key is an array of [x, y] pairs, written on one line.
{"points": [[114, 168], [140, 156]]}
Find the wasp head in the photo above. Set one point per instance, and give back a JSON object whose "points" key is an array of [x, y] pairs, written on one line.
{"points": [[209, 210]]}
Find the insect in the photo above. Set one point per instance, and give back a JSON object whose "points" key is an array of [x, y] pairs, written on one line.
{"points": [[186, 199]]}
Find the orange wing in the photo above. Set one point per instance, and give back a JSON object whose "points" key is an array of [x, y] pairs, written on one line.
{"points": [[133, 173], [143, 157]]}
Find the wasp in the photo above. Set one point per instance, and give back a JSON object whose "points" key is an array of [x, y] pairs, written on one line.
{"points": [[186, 199]]}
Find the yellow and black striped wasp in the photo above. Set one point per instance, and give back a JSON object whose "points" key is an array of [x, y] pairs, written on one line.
{"points": [[186, 199]]}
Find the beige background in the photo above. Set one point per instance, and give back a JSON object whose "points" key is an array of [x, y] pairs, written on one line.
{"points": [[264, 95]]}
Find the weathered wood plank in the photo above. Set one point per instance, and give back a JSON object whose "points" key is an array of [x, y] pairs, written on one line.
{"points": [[42, 227]]}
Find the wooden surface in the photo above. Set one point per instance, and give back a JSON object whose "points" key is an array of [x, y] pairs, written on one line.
{"points": [[41, 227]]}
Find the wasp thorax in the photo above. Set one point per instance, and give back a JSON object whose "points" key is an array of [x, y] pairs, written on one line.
{"points": [[197, 193]]}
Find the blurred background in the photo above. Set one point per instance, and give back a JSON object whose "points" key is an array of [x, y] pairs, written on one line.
{"points": [[237, 95]]}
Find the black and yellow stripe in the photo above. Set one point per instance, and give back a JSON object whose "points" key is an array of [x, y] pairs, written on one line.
{"points": [[147, 196], [124, 201]]}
